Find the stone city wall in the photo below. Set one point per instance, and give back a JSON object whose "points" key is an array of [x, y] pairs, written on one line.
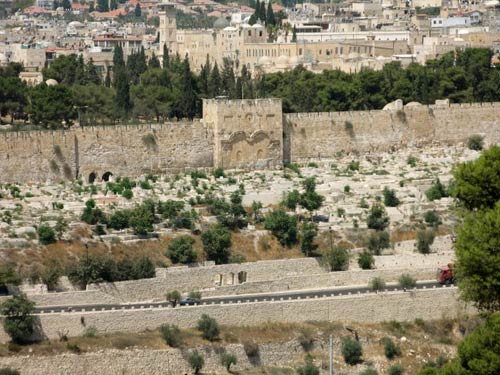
{"points": [[126, 150], [323, 135], [242, 134], [401, 306]]}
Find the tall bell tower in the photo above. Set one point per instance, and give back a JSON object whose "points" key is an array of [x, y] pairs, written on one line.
{"points": [[168, 27]]}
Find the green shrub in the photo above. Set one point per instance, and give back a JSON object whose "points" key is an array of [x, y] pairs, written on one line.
{"points": [[363, 203], [366, 260], [181, 250], [391, 350], [72, 348], [432, 218], [353, 165], [46, 234], [91, 214], [9, 371], [149, 140], [390, 198], [376, 284], [407, 281], [282, 226], [347, 189], [308, 368], [196, 361], [377, 218], [337, 258], [227, 360], [396, 369], [119, 219], [308, 233], [171, 334], [127, 194], [173, 297], [369, 371], [436, 191], [425, 238], [209, 327], [378, 241], [291, 200], [475, 142], [293, 167], [412, 161], [352, 351], [90, 332], [18, 320], [312, 165], [217, 244], [145, 185], [219, 172]]}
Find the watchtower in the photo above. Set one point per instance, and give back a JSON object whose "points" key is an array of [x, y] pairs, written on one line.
{"points": [[168, 26], [248, 133]]}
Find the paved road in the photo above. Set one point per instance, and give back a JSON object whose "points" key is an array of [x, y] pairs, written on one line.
{"points": [[262, 297]]}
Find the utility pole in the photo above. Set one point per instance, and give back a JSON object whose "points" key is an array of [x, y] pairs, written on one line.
{"points": [[331, 355]]}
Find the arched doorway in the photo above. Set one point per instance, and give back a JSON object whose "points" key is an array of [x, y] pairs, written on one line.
{"points": [[92, 177], [107, 176]]}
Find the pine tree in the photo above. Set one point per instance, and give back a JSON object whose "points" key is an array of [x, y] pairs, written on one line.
{"points": [[270, 18], [138, 11], [214, 82]]}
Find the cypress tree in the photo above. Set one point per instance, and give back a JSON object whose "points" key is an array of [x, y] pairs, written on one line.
{"points": [[204, 78], [107, 80], [91, 73], [270, 18], [122, 96], [154, 62], [214, 82], [138, 11], [113, 5], [166, 57], [262, 12], [187, 104], [102, 6], [118, 61], [294, 35]]}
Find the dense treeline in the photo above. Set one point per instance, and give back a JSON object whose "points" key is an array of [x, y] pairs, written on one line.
{"points": [[152, 90]]}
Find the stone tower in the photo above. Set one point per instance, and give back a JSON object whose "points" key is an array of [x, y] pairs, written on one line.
{"points": [[168, 27], [247, 133]]}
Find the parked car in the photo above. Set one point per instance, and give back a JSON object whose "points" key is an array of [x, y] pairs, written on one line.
{"points": [[189, 301]]}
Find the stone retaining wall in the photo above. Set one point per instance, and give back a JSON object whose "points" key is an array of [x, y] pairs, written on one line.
{"points": [[401, 306]]}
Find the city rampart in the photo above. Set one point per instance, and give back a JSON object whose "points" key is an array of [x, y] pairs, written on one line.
{"points": [[96, 153], [235, 134], [325, 135]]}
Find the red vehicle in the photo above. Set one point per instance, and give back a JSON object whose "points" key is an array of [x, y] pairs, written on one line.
{"points": [[445, 274]]}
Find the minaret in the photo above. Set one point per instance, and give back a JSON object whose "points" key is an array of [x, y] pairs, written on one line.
{"points": [[168, 27]]}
